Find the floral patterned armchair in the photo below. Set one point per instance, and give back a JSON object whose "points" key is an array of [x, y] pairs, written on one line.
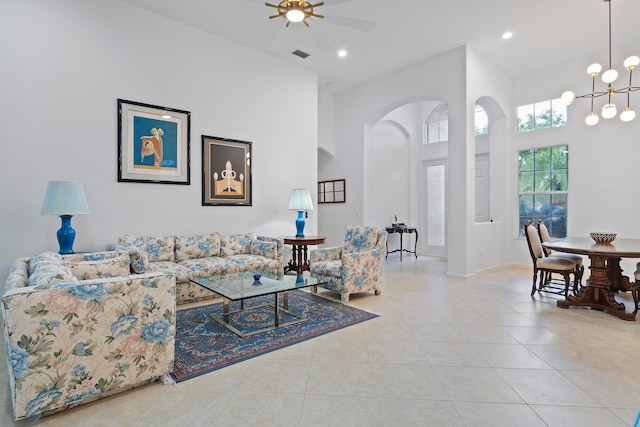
{"points": [[354, 267], [79, 327]]}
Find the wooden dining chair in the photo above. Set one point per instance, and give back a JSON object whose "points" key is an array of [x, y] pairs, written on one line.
{"points": [[543, 233], [547, 264]]}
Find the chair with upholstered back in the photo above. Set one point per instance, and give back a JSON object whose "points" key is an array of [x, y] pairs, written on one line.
{"points": [[354, 267], [543, 232], [547, 264]]}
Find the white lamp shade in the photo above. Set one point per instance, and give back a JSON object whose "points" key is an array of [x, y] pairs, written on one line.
{"points": [[631, 62], [609, 111], [627, 115], [567, 97], [609, 76], [592, 119], [300, 200], [594, 69], [64, 198]]}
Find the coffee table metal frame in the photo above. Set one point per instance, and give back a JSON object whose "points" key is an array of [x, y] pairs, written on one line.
{"points": [[239, 287]]}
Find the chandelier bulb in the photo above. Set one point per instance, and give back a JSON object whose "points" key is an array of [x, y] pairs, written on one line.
{"points": [[594, 69], [631, 62], [592, 119], [295, 15], [609, 76], [627, 115], [567, 97], [609, 111]]}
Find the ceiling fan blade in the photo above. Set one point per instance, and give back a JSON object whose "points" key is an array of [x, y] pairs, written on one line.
{"points": [[276, 43], [354, 23], [323, 43]]}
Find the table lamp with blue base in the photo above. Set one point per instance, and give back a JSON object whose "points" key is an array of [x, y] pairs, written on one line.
{"points": [[300, 201], [65, 198]]}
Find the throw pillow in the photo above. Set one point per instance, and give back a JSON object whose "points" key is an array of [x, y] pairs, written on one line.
{"points": [[266, 249], [158, 248], [197, 246], [48, 273], [236, 244], [138, 257], [45, 257]]}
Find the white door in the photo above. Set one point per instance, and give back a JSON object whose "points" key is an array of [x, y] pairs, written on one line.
{"points": [[432, 231]]}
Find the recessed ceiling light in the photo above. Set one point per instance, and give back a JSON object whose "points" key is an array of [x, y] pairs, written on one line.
{"points": [[507, 35], [342, 53]]}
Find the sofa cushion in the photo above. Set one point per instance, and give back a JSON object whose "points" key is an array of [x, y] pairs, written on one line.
{"points": [[139, 259], [266, 249], [327, 268], [358, 239], [236, 244], [158, 248], [47, 270], [247, 262], [208, 266], [43, 258], [98, 265], [197, 246], [180, 272]]}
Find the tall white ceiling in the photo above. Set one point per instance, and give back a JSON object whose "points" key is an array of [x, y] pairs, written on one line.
{"points": [[546, 32]]}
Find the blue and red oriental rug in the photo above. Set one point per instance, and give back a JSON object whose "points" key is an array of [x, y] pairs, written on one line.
{"points": [[203, 345]]}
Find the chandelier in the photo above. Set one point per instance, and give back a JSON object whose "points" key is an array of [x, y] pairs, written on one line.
{"points": [[295, 11], [609, 110]]}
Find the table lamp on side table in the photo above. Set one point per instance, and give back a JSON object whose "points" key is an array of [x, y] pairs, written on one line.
{"points": [[300, 201], [65, 198]]}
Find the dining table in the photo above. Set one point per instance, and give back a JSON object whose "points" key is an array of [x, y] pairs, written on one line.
{"points": [[606, 278]]}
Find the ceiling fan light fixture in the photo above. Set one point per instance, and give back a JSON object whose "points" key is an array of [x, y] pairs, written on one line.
{"points": [[295, 15]]}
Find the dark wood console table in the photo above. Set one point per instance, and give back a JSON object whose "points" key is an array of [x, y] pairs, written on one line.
{"points": [[299, 261], [402, 229]]}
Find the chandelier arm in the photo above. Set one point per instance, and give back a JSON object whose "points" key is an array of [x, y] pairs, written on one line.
{"points": [[593, 95]]}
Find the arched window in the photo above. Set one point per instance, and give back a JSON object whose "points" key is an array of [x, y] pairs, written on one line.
{"points": [[481, 121], [436, 127]]}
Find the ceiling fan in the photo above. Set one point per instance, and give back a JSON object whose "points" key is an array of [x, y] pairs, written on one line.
{"points": [[302, 10]]}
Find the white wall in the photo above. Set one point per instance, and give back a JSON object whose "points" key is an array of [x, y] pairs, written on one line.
{"points": [[65, 63], [603, 159]]}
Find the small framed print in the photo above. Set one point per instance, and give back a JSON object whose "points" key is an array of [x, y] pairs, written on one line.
{"points": [[226, 172], [333, 191], [153, 144]]}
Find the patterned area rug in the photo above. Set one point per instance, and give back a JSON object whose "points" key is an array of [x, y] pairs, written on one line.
{"points": [[202, 345]]}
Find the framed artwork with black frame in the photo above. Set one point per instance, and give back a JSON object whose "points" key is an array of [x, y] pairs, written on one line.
{"points": [[154, 144], [226, 172]]}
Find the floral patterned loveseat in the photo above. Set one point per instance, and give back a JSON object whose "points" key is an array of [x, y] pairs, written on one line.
{"points": [[354, 267], [202, 255], [79, 327]]}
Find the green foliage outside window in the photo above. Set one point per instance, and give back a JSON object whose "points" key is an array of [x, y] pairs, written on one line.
{"points": [[541, 115], [543, 182]]}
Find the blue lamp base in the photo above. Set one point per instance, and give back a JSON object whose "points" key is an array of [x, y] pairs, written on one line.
{"points": [[66, 235], [300, 224]]}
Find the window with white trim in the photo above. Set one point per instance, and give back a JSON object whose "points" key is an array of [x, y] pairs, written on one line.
{"points": [[543, 175]]}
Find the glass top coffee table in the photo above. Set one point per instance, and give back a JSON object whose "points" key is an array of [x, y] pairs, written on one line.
{"points": [[241, 286]]}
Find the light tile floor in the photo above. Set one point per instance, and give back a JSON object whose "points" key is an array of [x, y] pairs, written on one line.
{"points": [[445, 352]]}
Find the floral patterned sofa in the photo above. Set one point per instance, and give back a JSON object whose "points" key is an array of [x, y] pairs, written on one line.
{"points": [[354, 267], [80, 327], [202, 255]]}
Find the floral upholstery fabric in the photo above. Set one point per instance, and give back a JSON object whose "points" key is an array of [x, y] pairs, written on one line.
{"points": [[74, 342], [198, 246], [157, 248], [356, 266], [233, 253], [98, 265], [266, 249], [236, 244]]}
